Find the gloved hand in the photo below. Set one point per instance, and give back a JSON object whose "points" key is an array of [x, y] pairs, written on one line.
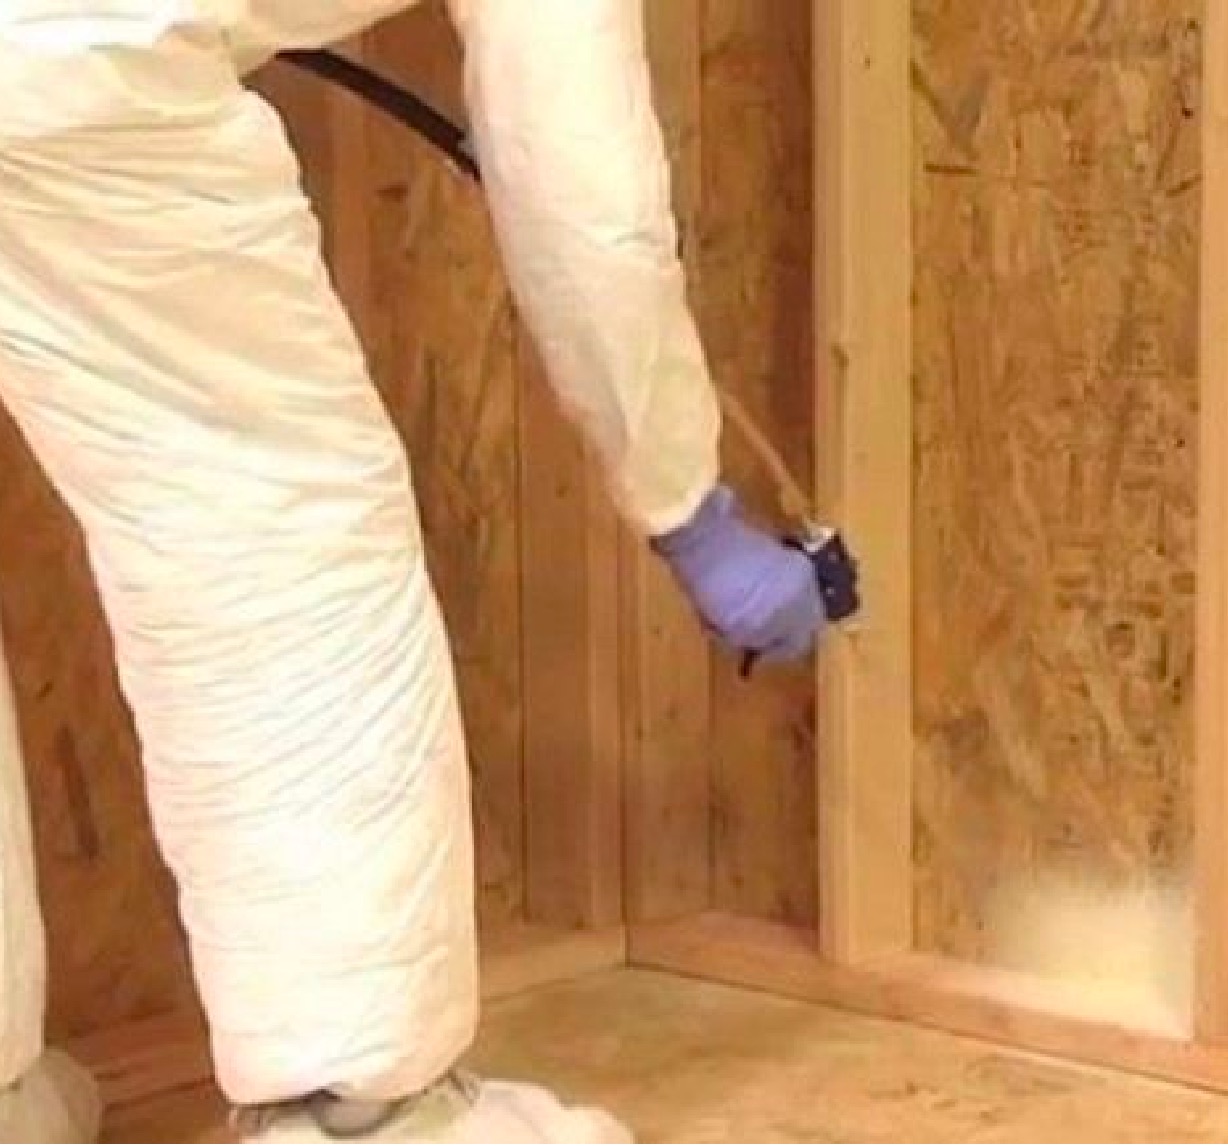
{"points": [[754, 592]]}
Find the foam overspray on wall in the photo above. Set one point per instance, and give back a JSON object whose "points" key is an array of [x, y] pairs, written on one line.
{"points": [[1056, 275]]}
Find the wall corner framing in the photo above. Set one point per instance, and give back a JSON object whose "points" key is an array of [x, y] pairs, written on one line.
{"points": [[868, 959], [864, 436]]}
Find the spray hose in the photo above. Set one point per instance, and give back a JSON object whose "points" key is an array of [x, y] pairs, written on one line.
{"points": [[835, 569]]}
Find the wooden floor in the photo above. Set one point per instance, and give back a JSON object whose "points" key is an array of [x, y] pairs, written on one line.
{"points": [[692, 1062]]}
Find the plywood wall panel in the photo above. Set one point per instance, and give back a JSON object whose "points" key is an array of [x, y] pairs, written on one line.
{"points": [[1055, 340], [667, 685], [755, 305]]}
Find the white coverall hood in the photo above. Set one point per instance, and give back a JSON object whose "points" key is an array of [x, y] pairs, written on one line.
{"points": [[171, 346]]}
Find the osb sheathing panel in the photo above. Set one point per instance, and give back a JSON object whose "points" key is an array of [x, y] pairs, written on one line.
{"points": [[1055, 384]]}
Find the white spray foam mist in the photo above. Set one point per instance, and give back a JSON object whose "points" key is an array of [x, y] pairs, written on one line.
{"points": [[1123, 955]]}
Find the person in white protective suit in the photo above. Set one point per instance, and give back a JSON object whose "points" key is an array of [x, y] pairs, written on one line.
{"points": [[172, 348]]}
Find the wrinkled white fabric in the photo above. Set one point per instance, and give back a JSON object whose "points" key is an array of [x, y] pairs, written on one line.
{"points": [[60, 27], [172, 347], [575, 167], [467, 1110], [574, 164], [55, 1100], [23, 965]]}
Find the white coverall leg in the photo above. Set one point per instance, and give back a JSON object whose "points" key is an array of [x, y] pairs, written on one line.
{"points": [[172, 348], [44, 1096]]}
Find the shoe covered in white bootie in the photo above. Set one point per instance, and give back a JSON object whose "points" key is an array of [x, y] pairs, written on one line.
{"points": [[56, 1100], [458, 1109]]}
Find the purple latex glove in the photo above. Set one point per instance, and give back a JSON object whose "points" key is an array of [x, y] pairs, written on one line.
{"points": [[755, 593]]}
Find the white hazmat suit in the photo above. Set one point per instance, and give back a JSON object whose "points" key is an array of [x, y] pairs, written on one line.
{"points": [[172, 347]]}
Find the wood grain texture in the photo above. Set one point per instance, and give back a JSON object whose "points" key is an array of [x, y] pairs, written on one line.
{"points": [[1009, 1008], [1056, 277], [570, 657], [525, 958], [1211, 656], [755, 304], [687, 1061], [667, 676], [864, 434]]}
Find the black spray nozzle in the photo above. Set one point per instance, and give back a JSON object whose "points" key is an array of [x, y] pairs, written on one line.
{"points": [[835, 572]]}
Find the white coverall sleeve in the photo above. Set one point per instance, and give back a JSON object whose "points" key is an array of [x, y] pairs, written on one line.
{"points": [[574, 162]]}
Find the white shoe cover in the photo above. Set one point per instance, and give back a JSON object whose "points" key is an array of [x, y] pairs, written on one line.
{"points": [[55, 1101], [464, 1110]]}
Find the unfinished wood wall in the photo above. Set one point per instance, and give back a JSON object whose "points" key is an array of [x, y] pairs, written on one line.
{"points": [[1056, 275], [755, 299], [523, 545], [720, 771]]}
